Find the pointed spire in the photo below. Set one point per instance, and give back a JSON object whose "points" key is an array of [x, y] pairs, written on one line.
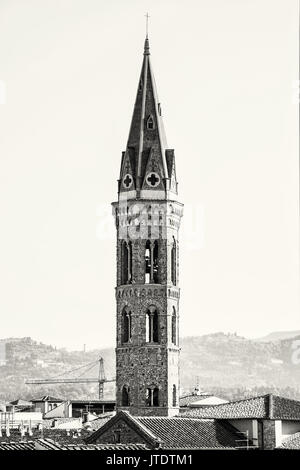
{"points": [[146, 46], [148, 167]]}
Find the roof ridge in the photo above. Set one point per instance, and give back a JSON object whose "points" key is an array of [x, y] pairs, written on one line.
{"points": [[174, 417], [238, 401]]}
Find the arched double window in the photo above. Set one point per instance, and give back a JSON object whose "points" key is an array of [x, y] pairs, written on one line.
{"points": [[151, 262], [173, 263], [126, 325], [152, 396], [125, 396], [126, 262], [152, 325], [174, 326]]}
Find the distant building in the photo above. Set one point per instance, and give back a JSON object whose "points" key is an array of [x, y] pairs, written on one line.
{"points": [[266, 421], [21, 405], [46, 403], [93, 406], [197, 399]]}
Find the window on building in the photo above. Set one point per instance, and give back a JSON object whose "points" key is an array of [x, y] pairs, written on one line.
{"points": [[126, 263], [174, 326], [173, 263], [155, 262], [125, 396], [147, 262], [174, 396], [127, 325], [151, 262], [117, 436], [152, 396], [150, 123], [152, 325]]}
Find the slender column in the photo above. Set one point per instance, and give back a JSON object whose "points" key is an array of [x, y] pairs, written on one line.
{"points": [[151, 317], [128, 263], [151, 261], [129, 327]]}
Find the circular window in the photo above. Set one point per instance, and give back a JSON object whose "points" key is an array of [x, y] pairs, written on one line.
{"points": [[127, 181], [153, 179]]}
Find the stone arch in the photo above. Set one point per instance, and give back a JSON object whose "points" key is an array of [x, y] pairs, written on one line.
{"points": [[152, 324], [126, 325]]}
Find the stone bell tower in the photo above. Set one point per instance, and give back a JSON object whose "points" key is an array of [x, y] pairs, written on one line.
{"points": [[147, 216]]}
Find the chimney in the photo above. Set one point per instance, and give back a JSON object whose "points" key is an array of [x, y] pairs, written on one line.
{"points": [[7, 431], [271, 434], [85, 417]]}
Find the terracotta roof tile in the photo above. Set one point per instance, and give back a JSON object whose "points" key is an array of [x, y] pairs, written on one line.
{"points": [[106, 447], [188, 433], [266, 406], [97, 423], [17, 445], [188, 399], [173, 433], [292, 442]]}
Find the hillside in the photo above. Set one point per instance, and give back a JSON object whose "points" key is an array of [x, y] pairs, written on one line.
{"points": [[225, 364], [279, 335]]}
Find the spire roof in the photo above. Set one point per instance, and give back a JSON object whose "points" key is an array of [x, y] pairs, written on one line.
{"points": [[148, 166]]}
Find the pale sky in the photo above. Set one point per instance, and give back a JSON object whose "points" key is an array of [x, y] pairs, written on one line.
{"points": [[226, 72]]}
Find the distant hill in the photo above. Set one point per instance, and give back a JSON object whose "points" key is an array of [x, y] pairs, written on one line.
{"points": [[225, 364], [279, 335]]}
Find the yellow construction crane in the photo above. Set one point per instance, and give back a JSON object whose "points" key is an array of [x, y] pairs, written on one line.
{"points": [[101, 379]]}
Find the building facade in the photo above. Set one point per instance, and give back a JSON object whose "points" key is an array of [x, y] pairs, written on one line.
{"points": [[147, 216]]}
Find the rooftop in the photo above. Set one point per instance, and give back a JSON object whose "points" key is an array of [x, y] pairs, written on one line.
{"points": [[292, 442], [186, 400], [265, 406], [48, 398], [173, 433]]}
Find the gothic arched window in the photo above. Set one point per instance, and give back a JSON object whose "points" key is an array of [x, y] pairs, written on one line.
{"points": [[126, 262], [147, 262], [152, 325], [155, 262], [174, 396], [174, 326], [173, 263], [126, 325], [152, 396], [151, 262], [125, 396]]}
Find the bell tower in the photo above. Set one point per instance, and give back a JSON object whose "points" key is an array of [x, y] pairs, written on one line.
{"points": [[147, 216]]}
